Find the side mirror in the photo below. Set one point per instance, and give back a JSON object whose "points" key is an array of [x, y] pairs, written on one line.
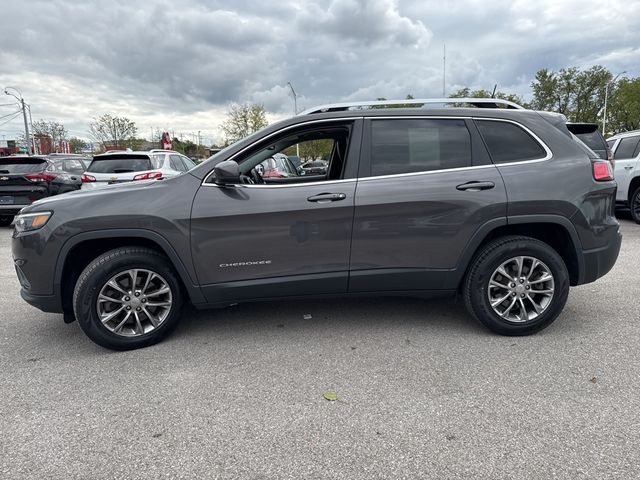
{"points": [[227, 172]]}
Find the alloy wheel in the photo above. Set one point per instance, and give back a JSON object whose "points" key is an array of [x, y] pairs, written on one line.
{"points": [[521, 289], [134, 302]]}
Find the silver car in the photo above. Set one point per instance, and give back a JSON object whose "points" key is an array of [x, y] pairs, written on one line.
{"points": [[128, 166]]}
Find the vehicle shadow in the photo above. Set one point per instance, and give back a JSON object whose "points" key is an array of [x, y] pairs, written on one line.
{"points": [[360, 315]]}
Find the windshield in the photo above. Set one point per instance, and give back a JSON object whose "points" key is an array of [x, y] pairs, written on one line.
{"points": [[120, 164], [21, 165]]}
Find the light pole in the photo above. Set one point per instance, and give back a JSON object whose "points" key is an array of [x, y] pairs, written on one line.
{"points": [[27, 137], [606, 98], [295, 111]]}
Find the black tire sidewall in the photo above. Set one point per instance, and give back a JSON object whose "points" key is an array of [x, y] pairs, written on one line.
{"points": [[87, 294], [478, 284], [635, 198]]}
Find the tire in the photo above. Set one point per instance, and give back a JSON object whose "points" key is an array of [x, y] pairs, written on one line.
{"points": [[119, 266], [5, 220], [505, 252], [634, 205]]}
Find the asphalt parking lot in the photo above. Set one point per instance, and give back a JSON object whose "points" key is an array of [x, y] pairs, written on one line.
{"points": [[423, 391]]}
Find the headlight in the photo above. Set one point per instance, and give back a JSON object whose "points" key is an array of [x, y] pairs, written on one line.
{"points": [[31, 221]]}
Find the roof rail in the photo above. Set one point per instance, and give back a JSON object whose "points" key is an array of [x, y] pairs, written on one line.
{"points": [[413, 103]]}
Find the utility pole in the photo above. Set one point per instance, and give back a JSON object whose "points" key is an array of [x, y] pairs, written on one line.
{"points": [[606, 98], [295, 111], [27, 137], [444, 68]]}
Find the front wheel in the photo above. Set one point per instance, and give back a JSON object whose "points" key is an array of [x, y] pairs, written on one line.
{"points": [[516, 285], [127, 298], [5, 220]]}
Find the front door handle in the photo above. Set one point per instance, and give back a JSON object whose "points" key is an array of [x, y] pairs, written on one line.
{"points": [[327, 197], [628, 167], [476, 186]]}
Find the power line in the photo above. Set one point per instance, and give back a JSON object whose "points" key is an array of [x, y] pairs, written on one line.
{"points": [[9, 114], [15, 115]]}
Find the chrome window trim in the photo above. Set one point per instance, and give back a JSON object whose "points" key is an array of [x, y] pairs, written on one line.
{"points": [[426, 172], [548, 156], [277, 132], [288, 185]]}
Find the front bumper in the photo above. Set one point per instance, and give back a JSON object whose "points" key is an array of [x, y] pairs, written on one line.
{"points": [[599, 261], [46, 303]]}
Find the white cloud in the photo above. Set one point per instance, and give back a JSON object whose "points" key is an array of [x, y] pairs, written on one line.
{"points": [[178, 65]]}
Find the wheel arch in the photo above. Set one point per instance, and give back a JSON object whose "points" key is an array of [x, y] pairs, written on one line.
{"points": [[81, 249], [555, 230], [635, 183]]}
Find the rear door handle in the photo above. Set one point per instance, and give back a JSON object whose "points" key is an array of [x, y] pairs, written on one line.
{"points": [[327, 197], [628, 167], [476, 186]]}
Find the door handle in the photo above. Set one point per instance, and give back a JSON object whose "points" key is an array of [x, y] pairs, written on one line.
{"points": [[628, 167], [476, 186], [327, 197]]}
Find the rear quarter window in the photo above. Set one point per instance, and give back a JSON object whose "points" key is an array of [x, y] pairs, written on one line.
{"points": [[508, 142], [120, 164], [592, 140]]}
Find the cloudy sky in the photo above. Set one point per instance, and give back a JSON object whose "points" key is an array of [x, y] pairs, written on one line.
{"points": [[178, 65]]}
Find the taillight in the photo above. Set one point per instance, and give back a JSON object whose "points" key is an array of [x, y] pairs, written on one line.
{"points": [[148, 176], [611, 158], [41, 177], [602, 171], [87, 178]]}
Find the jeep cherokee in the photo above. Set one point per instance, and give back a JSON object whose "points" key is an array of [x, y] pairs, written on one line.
{"points": [[501, 205]]}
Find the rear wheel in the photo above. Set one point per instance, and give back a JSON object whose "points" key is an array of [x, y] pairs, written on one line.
{"points": [[128, 298], [5, 220], [634, 205], [516, 285]]}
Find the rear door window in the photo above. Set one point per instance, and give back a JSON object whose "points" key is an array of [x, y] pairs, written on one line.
{"points": [[120, 164], [176, 163], [188, 164], [11, 165], [418, 145], [507, 142], [627, 147]]}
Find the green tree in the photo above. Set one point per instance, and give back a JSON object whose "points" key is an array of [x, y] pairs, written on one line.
{"points": [[482, 93], [577, 94], [623, 109], [114, 132], [76, 144], [243, 120]]}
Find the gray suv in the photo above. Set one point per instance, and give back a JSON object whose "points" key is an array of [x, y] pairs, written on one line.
{"points": [[500, 205]]}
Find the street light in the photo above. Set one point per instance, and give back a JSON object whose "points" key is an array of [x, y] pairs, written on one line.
{"points": [[606, 98], [295, 111], [27, 137]]}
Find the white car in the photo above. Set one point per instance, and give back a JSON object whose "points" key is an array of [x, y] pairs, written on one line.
{"points": [[128, 166], [626, 150]]}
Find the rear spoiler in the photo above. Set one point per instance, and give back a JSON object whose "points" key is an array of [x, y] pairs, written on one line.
{"points": [[559, 121]]}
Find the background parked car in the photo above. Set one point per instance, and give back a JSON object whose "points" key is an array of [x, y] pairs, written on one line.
{"points": [[122, 166], [278, 166], [24, 179], [626, 148], [75, 164], [315, 167], [590, 135]]}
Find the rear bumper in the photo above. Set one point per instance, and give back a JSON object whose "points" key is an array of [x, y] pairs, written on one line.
{"points": [[598, 262], [46, 303]]}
